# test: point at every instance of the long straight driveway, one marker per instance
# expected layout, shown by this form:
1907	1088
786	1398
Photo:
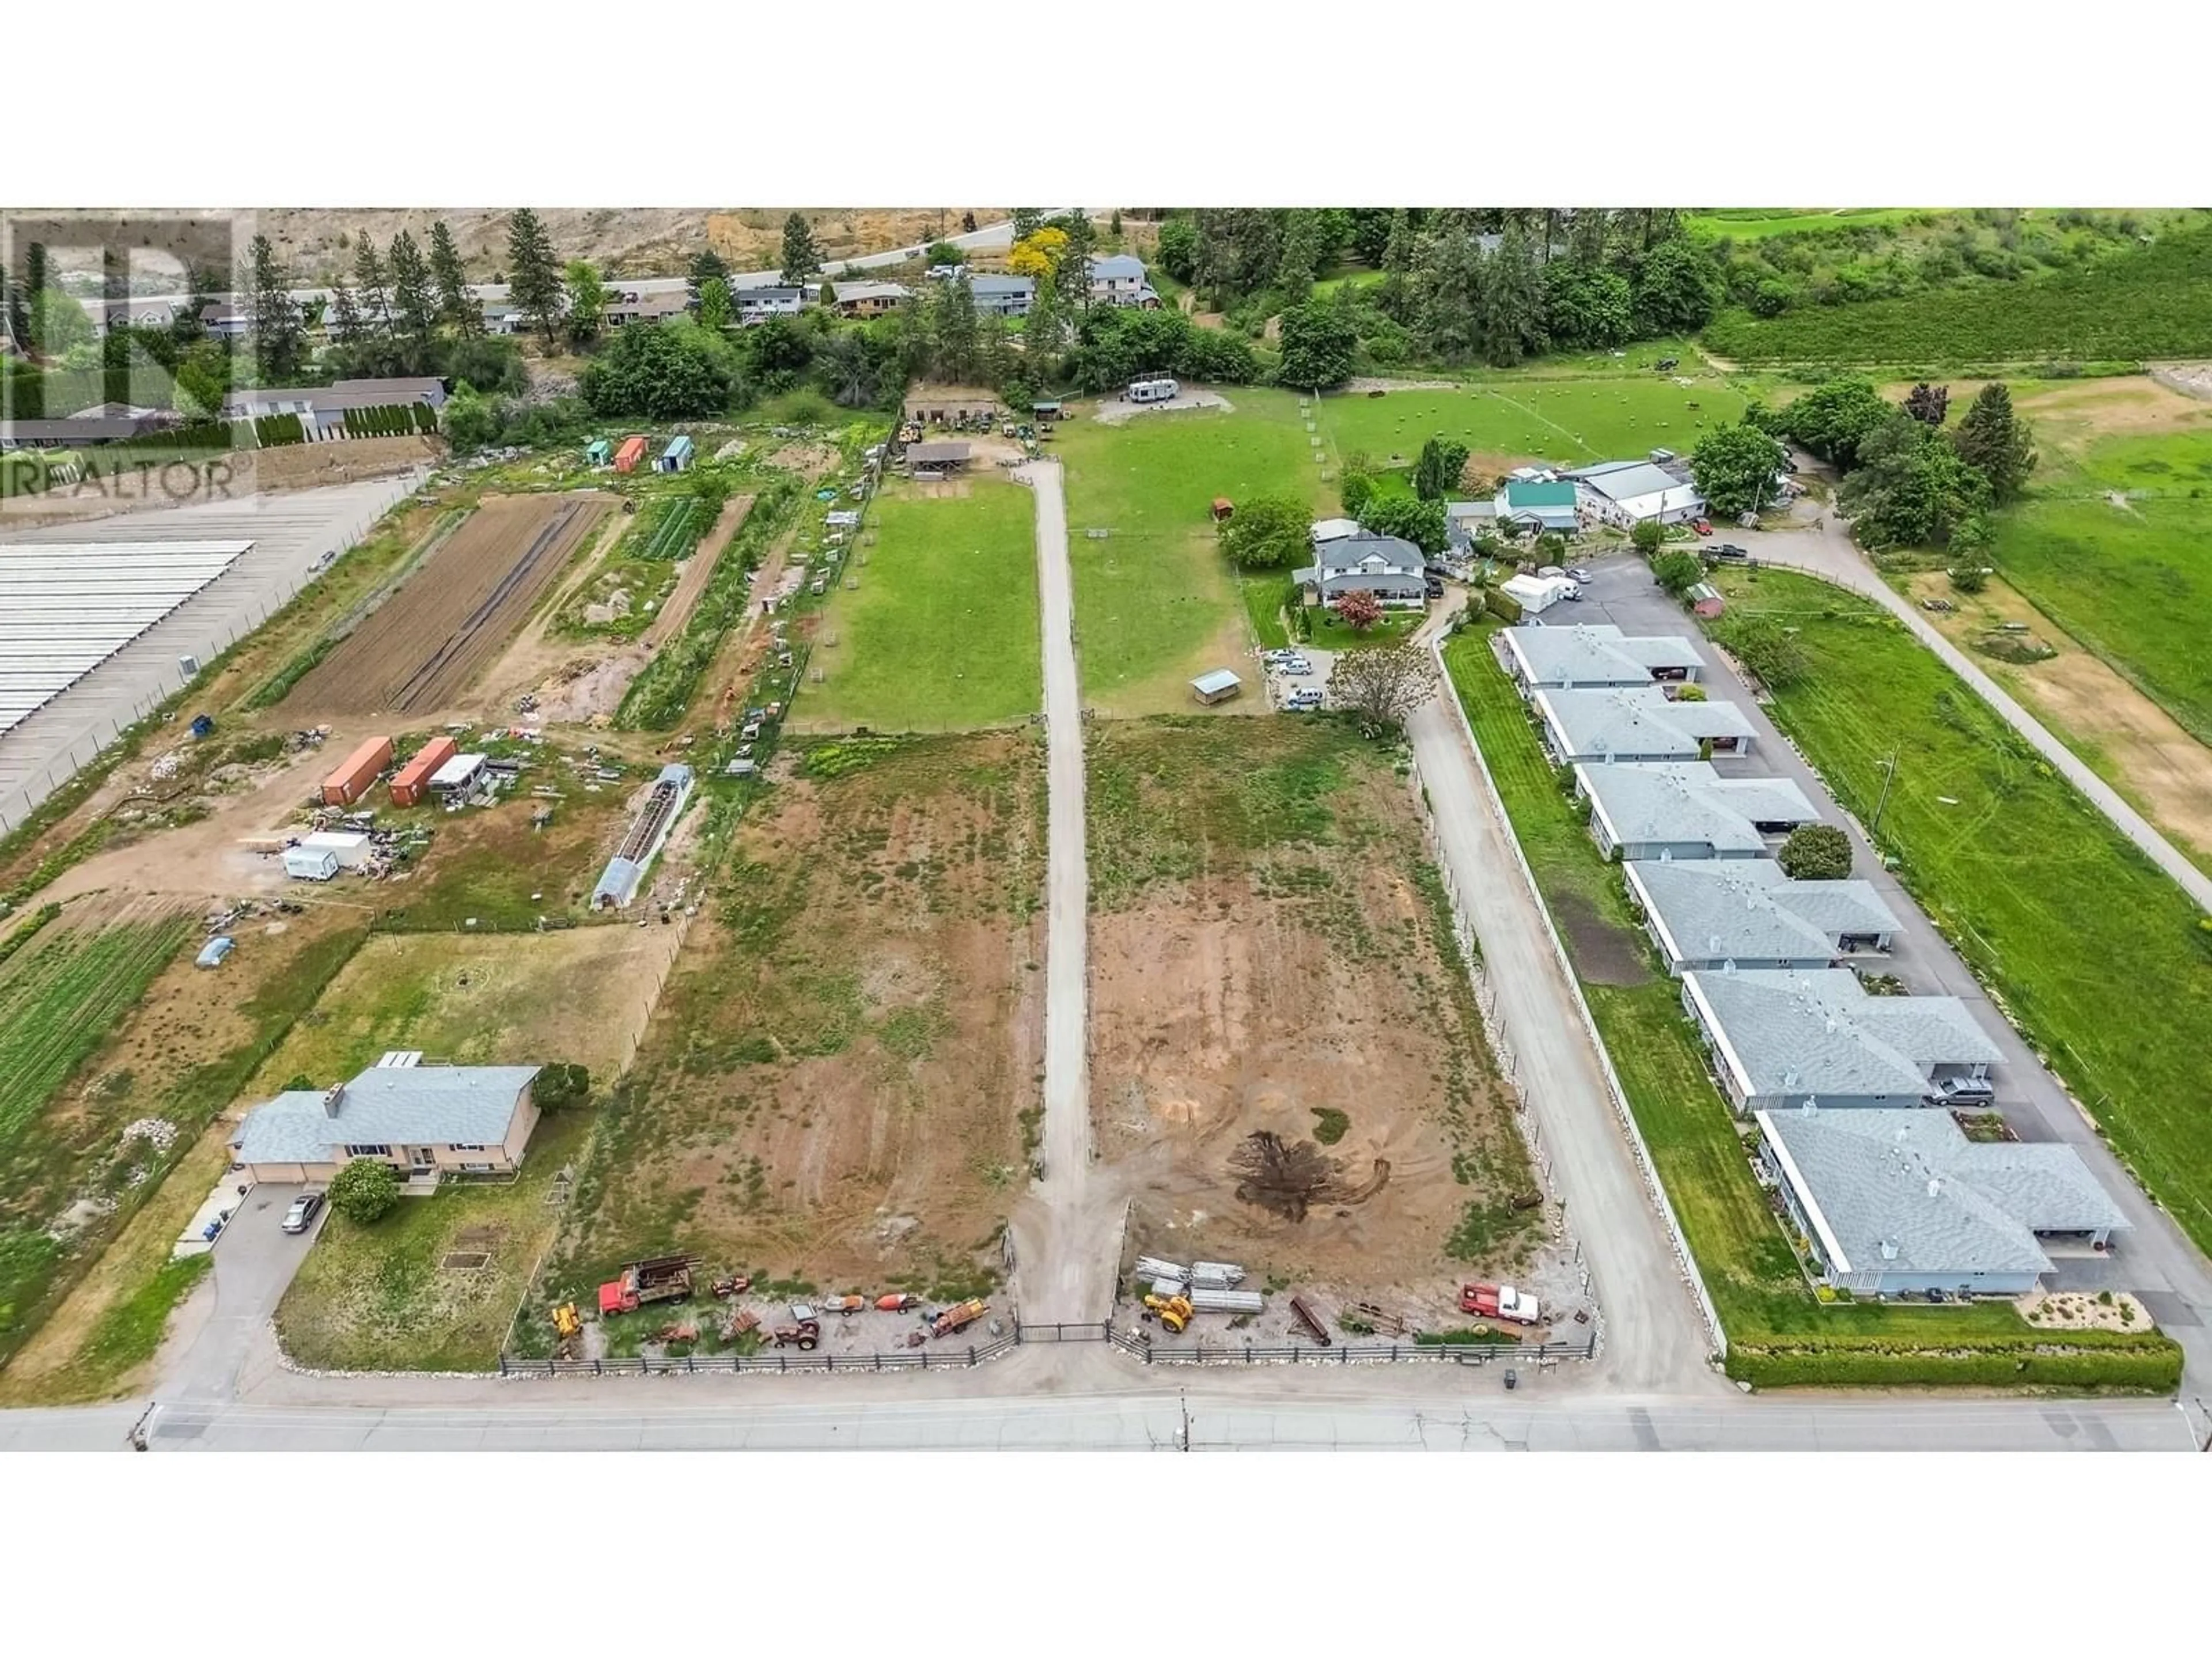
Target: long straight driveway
1654	1340
1063	1254
1827	551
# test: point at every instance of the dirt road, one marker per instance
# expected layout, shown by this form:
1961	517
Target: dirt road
1061	1235
1654	1340
1826	550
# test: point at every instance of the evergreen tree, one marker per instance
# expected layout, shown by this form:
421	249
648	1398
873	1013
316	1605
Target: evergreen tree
801	258
1436	474
279	336
957	331
1301	261
1026	220
345	314
1072	275
1446	294
457	307
413	308
1114	225
1588	235
1996	442
1512	304
18	315
534	274
708	266
1045	327
375	297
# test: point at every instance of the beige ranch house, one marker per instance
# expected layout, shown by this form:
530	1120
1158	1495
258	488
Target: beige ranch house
424	1120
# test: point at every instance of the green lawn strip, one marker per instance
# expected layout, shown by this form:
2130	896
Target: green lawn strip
380	1298
1266	595
2095	954
1323	629
1155	603
130	1332
1571	419
1756	224
1778	1332
943	630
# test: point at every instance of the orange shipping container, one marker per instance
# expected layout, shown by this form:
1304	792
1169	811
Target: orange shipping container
350	781
414	778
631	452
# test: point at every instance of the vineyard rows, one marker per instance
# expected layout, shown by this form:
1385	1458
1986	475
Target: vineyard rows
59	996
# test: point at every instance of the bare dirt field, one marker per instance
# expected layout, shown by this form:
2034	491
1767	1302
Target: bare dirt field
2142	750
423	646
305	467
1287	1068
834	1090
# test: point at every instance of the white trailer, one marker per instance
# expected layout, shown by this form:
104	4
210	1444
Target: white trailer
1158	390
1536	594
350	848
310	863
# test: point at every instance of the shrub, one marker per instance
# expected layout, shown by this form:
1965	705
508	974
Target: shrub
559	1084
365	1190
1647	535
1816	852
1330	1125
1502	605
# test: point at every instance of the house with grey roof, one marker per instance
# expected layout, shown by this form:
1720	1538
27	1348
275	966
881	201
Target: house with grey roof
424	1120
1388	567
1464	521
858	299
1893	1203
1597	655
1626	492
1781	1039
1628	723
323	408
1710	914
1685	809
1119	279
1003	296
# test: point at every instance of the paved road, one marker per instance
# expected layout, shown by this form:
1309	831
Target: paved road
1654	1340
1065	1261
1828	551
2156	1261
218	1346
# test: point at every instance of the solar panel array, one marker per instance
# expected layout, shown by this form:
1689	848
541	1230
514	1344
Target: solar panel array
66	607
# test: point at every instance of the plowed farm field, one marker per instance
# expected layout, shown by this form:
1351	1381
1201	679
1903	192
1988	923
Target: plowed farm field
419	650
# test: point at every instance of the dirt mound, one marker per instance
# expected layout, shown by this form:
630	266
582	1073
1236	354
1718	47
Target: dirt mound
1290	1178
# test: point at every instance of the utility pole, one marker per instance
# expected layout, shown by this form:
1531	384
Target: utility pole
1889	776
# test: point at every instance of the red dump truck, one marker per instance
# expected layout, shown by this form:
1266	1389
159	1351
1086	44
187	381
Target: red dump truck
1499	1302
958	1317
663	1278
351	781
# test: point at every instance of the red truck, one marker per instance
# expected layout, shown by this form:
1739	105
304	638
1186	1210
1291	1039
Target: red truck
1499	1302
664	1279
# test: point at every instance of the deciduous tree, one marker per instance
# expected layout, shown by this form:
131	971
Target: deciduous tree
1320	345
716	309
1735	468
1831	418
1677	288
1360	608
365	1191
585	298
1912	488
1927	404
1383	683
1678	572
1273	533
1178	249
1424	524
1647	535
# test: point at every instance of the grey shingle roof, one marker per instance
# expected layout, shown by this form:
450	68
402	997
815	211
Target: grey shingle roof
392	1106
1904	1191
1689	801
1818	1033
1597	654
1635	722
1621	483
1115	267
1748	909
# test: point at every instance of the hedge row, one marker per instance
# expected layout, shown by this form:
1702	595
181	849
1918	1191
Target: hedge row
392	421
2149	1364
274	431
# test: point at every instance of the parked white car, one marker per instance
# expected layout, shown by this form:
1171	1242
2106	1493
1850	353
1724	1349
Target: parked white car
1297	666
1304	698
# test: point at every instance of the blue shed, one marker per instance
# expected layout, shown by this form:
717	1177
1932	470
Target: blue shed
677	457
216	949
600	452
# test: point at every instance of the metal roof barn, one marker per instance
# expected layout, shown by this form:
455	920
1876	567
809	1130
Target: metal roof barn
65	608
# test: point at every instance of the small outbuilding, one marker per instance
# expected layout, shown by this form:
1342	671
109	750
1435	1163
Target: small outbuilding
631	452
599	452
947	455
310	863
1219	686
677	457
1706	601
350	847
1223	509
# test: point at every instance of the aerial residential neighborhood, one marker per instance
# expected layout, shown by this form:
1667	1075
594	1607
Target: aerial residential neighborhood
1017	801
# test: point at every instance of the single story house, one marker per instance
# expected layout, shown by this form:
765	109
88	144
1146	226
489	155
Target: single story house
78	431
1627	493
868	299
1465	520
1632	723
323	408
1385	566
757	305
1596	654
1890	1203
1683	809
1539	504
1710	915
1781	1039
421	1120
1119	279
1002	296
627	305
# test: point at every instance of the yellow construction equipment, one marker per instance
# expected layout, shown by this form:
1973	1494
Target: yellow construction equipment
565	1320
1175	1311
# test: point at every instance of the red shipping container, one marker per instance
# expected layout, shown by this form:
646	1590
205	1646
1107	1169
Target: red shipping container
351	781
631	452
413	780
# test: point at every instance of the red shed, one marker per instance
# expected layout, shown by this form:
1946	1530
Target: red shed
1223	507
414	778
351	781
631	452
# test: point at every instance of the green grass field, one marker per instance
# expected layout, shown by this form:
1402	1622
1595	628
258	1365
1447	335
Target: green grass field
943	631
1756	224
2098	957
1778	1332
1568	420
2133	583
1155	603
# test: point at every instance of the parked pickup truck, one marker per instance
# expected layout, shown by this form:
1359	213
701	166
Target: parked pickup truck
1500	1301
